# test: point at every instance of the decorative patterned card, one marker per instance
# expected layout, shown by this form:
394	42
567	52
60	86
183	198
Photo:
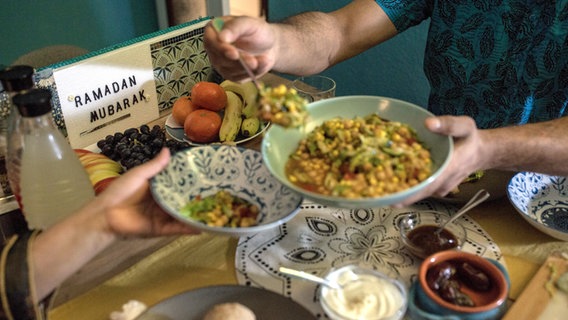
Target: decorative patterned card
126	85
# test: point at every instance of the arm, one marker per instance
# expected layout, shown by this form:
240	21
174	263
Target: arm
304	44
538	147
125	208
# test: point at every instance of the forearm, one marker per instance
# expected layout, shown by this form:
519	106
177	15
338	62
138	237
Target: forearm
311	42
61	250
300	49
539	147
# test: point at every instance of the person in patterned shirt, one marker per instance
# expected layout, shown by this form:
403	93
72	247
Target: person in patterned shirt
498	71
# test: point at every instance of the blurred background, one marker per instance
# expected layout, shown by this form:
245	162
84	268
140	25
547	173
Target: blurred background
66	28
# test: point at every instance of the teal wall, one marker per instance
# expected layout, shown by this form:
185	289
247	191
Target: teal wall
27	25
392	69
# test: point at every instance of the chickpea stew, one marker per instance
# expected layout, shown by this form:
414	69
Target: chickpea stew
282	106
363	157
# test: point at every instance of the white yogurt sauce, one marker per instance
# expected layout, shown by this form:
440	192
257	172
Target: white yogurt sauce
363	297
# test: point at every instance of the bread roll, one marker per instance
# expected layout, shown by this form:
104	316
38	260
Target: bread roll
229	311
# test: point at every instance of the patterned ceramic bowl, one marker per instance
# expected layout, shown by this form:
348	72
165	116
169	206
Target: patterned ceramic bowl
542	200
208	169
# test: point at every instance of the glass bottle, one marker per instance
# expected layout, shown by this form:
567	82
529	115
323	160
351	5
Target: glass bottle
14	79
53	182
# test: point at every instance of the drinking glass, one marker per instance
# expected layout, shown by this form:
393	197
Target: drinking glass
314	88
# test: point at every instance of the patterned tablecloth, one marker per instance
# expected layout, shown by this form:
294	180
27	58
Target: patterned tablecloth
320	238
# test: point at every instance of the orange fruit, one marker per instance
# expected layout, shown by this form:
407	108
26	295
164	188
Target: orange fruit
209	95
202	126
182	108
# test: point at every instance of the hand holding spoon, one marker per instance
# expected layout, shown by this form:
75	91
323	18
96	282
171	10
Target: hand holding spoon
279	105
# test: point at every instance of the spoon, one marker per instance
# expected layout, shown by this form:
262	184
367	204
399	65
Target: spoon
310	277
478	198
218	24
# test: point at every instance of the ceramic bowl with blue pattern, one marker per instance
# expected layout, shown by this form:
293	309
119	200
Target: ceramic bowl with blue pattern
205	170
542	200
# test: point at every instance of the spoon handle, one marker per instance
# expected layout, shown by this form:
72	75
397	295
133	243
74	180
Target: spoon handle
308	276
479	197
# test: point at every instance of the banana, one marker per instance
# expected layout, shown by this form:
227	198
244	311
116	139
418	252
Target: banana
248	92
250	126
232	118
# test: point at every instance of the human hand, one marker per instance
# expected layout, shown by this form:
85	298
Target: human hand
466	158
129	208
251	38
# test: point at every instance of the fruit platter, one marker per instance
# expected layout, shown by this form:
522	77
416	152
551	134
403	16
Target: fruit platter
225	113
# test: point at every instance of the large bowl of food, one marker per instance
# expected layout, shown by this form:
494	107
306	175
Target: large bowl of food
357	152
225	190
542	200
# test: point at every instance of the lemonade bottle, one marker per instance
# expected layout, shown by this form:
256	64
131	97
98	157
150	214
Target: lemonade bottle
53	182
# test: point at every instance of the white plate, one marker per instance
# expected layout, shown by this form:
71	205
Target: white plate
176	132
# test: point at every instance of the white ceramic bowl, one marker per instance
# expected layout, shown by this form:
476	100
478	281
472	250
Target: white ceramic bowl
207	169
365	294
279	143
542	200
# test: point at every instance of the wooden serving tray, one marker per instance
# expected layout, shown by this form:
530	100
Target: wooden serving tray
535	298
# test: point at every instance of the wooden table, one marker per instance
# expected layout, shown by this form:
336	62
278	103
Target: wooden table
150	270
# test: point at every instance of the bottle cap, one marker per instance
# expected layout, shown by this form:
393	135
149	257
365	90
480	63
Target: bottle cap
17	78
33	102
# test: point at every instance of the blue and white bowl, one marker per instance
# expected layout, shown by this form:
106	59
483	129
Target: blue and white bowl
542	200
207	169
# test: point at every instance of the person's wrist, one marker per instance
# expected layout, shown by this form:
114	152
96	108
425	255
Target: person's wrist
96	220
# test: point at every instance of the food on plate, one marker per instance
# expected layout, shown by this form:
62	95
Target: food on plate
473	177
101	169
429	241
562	282
221	209
208	95
358	158
282	106
250	126
248	92
232	118
182	108
135	146
229	311
202	125
449	278
239	115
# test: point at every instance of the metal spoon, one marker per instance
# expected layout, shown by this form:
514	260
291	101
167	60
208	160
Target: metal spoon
309	277
478	198
218	24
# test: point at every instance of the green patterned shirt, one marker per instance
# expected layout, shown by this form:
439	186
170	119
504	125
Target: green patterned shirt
499	61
